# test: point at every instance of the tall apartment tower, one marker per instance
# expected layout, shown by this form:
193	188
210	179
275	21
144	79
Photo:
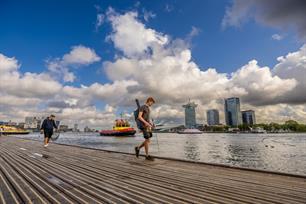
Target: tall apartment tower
212	117
190	114
232	112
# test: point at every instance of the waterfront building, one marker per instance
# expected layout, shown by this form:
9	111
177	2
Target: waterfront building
21	125
75	128
87	129
63	128
232	111
212	117
32	123
190	115
248	117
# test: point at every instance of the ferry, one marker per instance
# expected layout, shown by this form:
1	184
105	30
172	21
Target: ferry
11	130
121	128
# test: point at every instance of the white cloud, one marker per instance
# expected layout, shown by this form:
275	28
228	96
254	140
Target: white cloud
78	56
8	64
293	66
13	83
131	36
11	100
277	37
260	85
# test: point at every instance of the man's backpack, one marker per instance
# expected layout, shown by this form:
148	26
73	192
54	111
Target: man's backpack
136	113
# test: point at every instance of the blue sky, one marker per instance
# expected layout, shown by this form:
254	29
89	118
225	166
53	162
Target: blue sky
57	46
34	31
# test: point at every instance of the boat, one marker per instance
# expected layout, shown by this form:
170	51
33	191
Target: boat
11	130
258	130
121	128
190	131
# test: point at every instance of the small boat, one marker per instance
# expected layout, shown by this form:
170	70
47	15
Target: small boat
10	130
121	128
190	131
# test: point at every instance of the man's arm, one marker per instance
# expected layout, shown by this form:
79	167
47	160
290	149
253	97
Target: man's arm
143	120
54	124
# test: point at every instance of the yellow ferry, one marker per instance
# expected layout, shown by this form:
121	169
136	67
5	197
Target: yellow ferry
11	130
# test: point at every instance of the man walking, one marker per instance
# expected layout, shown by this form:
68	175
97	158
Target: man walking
146	127
47	128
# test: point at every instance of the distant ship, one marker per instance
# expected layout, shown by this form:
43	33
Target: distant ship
190	131
121	128
10	130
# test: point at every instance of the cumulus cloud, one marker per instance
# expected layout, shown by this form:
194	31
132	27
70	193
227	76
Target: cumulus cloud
14	83
8	64
150	63
260	86
130	35
293	66
282	14
78	56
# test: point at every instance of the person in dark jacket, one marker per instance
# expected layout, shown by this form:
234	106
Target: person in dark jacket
47	128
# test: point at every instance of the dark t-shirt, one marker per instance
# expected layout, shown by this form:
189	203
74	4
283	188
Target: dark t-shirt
145	112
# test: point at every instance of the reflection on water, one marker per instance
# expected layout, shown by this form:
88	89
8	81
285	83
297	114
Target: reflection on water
275	152
191	149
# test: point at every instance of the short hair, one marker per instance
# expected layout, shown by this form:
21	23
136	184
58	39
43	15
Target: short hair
53	116
150	99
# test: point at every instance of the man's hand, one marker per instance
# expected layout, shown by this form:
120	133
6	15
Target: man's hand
149	125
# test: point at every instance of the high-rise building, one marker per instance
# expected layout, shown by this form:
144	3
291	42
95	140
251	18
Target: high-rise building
232	112
190	115
212	117
248	117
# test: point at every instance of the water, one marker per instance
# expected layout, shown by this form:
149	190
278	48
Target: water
274	152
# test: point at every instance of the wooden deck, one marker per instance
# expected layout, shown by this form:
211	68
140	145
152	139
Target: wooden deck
30	173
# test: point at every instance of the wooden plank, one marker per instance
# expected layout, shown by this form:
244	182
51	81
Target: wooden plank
79	175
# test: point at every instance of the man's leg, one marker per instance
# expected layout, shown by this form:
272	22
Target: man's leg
46	140
142	145
145	135
146	146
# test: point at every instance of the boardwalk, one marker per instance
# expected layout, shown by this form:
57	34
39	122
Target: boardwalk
30	173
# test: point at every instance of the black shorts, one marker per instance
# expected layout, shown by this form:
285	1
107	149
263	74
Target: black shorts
146	134
48	134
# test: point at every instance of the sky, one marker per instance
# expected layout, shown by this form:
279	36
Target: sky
86	61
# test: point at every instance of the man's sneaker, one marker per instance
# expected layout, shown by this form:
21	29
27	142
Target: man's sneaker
46	145
150	158
137	151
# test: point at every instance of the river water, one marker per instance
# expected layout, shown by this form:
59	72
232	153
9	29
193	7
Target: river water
273	152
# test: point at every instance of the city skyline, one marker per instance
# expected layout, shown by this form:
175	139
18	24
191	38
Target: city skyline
89	68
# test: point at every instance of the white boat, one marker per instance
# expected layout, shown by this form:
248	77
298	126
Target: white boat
258	130
190	131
